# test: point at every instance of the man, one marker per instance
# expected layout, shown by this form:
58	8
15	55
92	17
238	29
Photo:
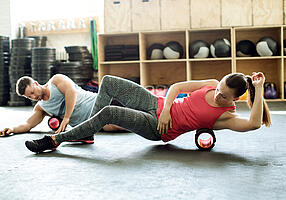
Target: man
60	96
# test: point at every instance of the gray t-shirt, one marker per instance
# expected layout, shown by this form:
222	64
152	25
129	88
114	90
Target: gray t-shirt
83	107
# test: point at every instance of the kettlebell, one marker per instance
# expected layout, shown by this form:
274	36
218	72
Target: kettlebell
205	139
270	91
54	122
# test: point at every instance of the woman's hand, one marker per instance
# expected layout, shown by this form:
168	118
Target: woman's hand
63	125
6	132
258	79
164	122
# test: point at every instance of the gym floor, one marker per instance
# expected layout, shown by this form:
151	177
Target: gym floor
125	166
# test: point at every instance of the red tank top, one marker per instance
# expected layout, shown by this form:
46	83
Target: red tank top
191	113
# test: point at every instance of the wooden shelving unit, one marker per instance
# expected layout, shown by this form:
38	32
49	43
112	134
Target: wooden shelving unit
164	71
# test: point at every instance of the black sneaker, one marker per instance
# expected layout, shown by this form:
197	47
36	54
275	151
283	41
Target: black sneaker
86	140
38	146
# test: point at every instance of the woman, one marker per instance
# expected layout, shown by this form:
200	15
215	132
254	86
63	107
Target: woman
210	105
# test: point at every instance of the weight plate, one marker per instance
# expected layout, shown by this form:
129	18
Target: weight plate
76	49
23	42
37	72
41	76
76	63
20	52
43	50
40	37
43	60
4	37
18	103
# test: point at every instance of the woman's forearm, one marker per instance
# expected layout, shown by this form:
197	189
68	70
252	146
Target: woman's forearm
171	96
257	108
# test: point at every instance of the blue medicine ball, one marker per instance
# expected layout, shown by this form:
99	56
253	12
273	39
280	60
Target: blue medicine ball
199	49
267	46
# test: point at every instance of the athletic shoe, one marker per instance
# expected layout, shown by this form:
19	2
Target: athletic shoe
38	146
86	140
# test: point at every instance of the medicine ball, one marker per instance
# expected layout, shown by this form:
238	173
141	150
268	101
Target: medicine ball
155	51
173	50
221	48
245	48
199	49
267	46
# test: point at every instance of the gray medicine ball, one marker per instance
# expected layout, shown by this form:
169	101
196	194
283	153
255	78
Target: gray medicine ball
173	50
155	51
245	48
220	48
199	49
267	46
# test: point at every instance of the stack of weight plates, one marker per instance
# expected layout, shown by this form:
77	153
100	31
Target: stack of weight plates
20	65
78	53
4	70
79	68
121	52
78	71
40	41
43	62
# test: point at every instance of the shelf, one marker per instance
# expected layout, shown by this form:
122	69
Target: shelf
164	61
259	58
274	100
209	35
272	69
149	38
162	73
119	62
123	70
115	39
267	100
254	34
165	71
209	69
208	59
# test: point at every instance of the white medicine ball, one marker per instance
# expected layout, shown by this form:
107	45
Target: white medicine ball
199	49
266	46
173	50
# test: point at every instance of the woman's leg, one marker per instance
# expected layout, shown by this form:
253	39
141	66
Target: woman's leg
128	93
138	115
140	122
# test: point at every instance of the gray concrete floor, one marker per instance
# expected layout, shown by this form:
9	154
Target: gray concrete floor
125	166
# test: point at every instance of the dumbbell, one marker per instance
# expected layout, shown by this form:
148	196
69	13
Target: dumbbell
205	139
54	122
